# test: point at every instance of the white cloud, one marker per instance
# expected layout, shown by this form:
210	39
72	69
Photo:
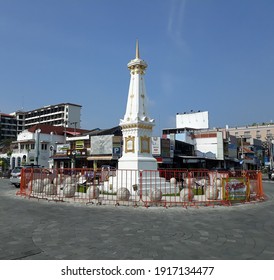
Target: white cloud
175	22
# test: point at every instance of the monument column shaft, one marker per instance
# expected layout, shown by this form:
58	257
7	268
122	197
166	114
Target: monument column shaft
136	124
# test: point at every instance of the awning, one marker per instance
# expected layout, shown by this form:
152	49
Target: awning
61	158
194	159
73	133
99	158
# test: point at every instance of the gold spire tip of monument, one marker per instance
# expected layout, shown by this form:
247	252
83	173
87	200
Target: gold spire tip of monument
137	49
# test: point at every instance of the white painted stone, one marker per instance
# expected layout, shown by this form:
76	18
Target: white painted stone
69	190
50	189
70	180
156	195
93	192
123	194
189	182
57	181
186	194
173	181
37	186
46	181
211	192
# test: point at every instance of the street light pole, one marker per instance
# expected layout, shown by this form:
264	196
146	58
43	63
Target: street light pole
269	140
38	131
242	151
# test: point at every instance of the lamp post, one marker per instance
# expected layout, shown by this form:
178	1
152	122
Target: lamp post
242	152
269	139
38	131
73	160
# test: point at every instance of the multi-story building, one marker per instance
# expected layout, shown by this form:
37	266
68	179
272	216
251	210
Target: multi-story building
254	134
63	114
8	127
261	132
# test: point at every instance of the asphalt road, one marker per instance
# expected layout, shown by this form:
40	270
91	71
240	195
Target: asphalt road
40	230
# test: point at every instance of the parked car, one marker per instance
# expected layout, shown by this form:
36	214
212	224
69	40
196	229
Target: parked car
31	172
271	174
15	176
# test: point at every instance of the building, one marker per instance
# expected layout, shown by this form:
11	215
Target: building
8	127
215	148
38	144
63	114
259	137
261	132
91	149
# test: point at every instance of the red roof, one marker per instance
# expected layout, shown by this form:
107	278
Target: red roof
58	130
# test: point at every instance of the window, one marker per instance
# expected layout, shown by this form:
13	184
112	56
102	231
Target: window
44	146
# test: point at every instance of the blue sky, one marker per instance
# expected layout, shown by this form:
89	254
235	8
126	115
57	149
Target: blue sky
212	55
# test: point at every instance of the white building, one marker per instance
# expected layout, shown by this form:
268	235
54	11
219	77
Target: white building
36	145
209	144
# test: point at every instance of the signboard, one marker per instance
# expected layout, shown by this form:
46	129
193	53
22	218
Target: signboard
62	149
235	188
79	144
156	146
77	153
116	152
101	145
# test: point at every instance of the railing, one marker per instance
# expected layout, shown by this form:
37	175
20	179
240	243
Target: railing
163	187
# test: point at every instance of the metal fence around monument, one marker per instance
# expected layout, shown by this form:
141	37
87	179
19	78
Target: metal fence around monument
163	187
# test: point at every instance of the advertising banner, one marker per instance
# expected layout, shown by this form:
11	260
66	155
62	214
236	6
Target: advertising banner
101	145
235	188
80	144
62	149
156	146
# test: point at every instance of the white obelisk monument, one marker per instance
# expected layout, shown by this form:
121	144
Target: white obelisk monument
137	125
137	166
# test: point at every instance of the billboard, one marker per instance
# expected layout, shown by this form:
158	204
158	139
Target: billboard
196	120
61	149
101	145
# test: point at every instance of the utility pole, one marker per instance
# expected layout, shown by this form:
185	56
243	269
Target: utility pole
38	131
242	143
75	123
269	140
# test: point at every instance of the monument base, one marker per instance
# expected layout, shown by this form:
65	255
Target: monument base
142	163
140	182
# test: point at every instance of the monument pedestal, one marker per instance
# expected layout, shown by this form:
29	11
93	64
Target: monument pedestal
140	182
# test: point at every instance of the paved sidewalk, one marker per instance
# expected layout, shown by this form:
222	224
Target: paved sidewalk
32	229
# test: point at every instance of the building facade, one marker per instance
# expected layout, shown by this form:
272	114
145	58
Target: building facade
63	114
8	127
261	132
38	144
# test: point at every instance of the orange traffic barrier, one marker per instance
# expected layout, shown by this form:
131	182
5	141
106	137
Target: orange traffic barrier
163	187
